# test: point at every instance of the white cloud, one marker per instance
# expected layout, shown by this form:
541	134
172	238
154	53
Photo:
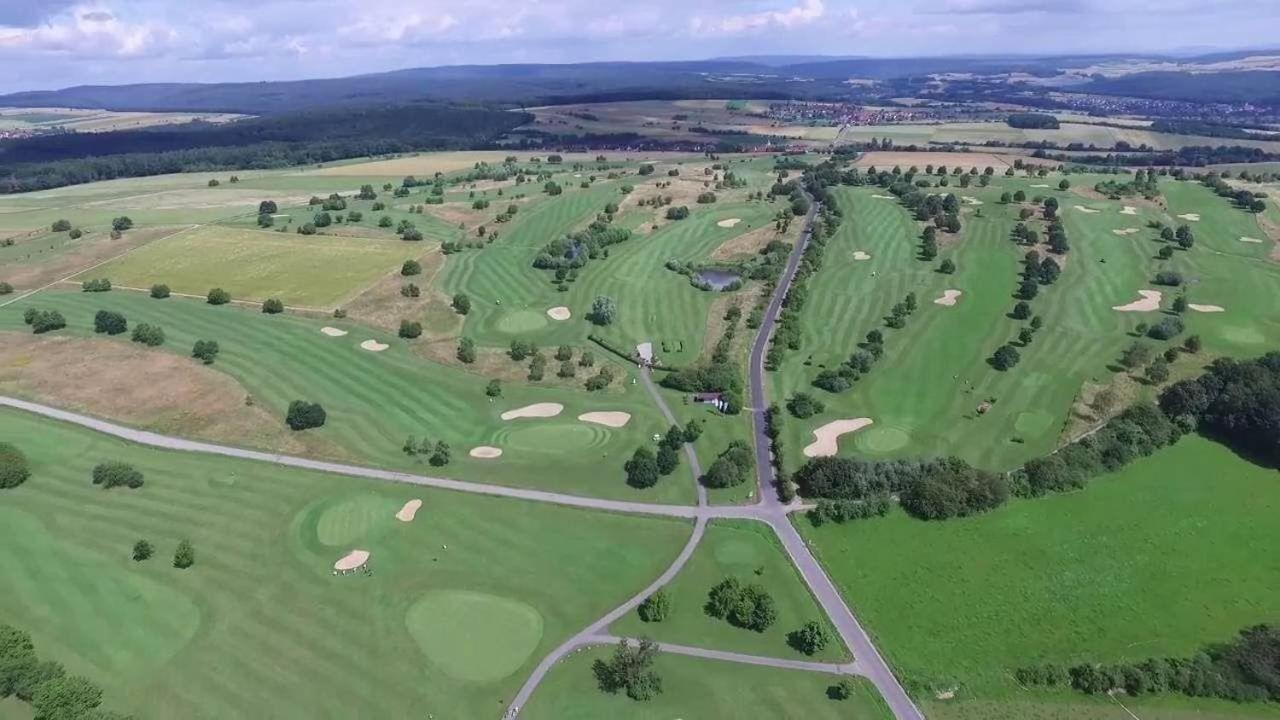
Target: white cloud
90	31
805	13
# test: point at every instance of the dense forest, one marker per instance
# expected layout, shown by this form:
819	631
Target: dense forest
298	138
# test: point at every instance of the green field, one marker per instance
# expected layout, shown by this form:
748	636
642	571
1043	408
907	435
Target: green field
260	626
1159	559
376	400
751	553
977	133
695	688
305	270
922	395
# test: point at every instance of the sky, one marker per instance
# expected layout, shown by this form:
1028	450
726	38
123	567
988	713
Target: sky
47	44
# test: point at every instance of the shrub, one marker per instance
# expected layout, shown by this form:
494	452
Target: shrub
677	213
466	350
14	469
185	556
109	322
745	606
116	474
411	267
706	198
668	459
803	405
303	415
1168	277
96	285
642	469
159	291
218	296
732	467
205	351
1170	326
5	288
60	225
142	550
272	306
148	334
121	224
810	639
630	669
656	607
410	329
43	321
493	389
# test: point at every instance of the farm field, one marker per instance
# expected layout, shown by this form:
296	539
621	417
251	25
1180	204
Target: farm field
696	688
375	400
306	270
1085	133
459	605
751	553
674	120
1154	560
1082	334
80	120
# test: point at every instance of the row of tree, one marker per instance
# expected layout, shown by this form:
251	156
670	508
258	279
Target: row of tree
52	693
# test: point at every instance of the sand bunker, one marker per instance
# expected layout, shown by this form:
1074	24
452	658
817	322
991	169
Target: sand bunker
352	561
611	419
373	346
825	444
1250	240
1193	217
409	510
1150	302
970	200
536	410
729	223
1084	209
1207	308
949	298
860	255
333	331
1129	210
485	452
1126	231
884	197
1040	186
559	313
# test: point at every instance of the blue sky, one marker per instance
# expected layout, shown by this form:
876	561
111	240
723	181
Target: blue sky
56	43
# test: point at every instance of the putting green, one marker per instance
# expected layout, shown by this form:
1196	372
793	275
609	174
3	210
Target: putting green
552	436
881	438
354	517
521	321
474	636
1033	422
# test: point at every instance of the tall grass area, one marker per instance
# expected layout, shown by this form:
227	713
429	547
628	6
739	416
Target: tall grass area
1158	559
696	688
259	626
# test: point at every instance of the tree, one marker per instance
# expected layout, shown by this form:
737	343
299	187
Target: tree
810	639
1064	185
117	474
441	455
630	669
303	415
75	234
121	223
656	607
218	296
1025	335
109	322
266	221
159	291
268	207
411	267
844	689
43	321
185	556
1168	277
642	469
493	389
142	550
804	405
272	306
60	226
14	468
461	303
692	431
1169	327
1180	304
5	288
947	267
1022	310
205	351
96	285
67	697
410	329
466	350
1192	344
603	310
1005	357
1136	355
1158	371
148	334
668	459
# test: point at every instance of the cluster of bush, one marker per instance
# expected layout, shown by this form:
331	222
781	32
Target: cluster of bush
1143	183
14	468
45	684
747	606
646	467
787	334
1243	670
941	210
117	474
841	378
96	285
575	250
43	321
731	467
438	454
1252	200
303	415
927	489
773	430
1236	401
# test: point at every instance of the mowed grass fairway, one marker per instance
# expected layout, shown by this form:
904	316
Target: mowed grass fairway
923	394
1157	560
260	627
375	401
751	553
697	688
306	270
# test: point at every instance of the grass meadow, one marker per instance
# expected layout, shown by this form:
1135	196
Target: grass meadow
697	688
1158	559
460	605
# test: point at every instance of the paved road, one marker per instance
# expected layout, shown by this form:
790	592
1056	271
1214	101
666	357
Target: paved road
851	668
647	376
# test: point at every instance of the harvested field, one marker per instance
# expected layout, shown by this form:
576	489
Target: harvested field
885	159
32	264
383	305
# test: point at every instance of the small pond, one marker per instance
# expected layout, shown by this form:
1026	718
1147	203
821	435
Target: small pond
718	279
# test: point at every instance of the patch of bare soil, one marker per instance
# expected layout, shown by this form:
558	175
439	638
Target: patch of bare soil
383	305
144	388
461	214
745	299
90	250
746	244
